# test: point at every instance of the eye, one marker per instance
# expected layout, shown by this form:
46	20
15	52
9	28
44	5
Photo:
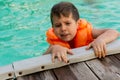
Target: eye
57	25
68	23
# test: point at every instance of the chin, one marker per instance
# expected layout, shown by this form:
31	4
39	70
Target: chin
67	40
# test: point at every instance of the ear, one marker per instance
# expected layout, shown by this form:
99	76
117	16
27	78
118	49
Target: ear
78	22
52	28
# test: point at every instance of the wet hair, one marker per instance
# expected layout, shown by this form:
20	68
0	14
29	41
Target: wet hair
64	9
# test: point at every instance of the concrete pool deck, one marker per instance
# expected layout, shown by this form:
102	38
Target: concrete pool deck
41	63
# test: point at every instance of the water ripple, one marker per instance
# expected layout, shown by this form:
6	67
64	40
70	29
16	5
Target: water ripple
23	24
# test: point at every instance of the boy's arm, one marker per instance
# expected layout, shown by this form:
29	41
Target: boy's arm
107	35
48	50
101	38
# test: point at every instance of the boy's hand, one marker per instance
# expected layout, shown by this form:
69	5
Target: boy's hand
60	52
99	47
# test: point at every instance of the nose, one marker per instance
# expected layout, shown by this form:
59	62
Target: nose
63	28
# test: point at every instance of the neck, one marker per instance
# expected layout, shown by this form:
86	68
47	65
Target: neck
71	43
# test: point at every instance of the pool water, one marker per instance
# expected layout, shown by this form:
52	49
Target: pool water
23	24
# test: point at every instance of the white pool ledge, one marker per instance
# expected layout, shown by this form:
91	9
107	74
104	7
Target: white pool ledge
6	72
44	62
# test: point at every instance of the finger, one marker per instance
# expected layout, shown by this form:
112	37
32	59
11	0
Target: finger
69	51
100	51
59	57
64	57
95	51
104	49
103	55
53	57
88	47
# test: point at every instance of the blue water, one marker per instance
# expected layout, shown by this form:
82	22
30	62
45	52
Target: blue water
23	24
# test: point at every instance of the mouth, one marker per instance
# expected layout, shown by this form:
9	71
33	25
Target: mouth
64	35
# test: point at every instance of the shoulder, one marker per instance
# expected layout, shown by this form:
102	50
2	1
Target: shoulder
83	23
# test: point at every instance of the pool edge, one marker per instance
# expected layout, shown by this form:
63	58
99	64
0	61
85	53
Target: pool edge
33	65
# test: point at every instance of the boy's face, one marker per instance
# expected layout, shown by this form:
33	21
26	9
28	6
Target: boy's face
65	27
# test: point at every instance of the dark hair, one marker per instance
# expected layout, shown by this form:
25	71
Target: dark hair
65	9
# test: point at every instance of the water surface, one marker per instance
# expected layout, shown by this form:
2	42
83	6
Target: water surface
23	24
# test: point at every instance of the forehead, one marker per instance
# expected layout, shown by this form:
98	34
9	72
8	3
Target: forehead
62	18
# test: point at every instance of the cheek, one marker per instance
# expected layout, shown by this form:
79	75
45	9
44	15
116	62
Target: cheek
56	31
74	31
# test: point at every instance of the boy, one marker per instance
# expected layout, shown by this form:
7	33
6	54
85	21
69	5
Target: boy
68	31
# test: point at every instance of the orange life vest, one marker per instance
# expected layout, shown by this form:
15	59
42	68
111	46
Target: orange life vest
83	36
